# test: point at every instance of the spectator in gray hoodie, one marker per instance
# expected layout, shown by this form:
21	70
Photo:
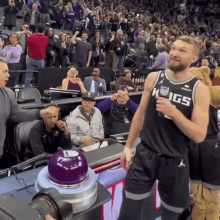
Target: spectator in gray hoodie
85	122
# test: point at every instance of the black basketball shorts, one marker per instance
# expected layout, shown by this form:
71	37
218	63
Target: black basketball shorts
171	172
204	160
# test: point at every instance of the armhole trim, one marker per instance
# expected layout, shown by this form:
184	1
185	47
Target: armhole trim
194	91
158	76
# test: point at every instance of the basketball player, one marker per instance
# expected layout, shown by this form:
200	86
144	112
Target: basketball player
204	161
167	126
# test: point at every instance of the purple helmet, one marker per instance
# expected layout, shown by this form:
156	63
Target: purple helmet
68	167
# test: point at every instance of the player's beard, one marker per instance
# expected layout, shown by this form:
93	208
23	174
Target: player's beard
177	68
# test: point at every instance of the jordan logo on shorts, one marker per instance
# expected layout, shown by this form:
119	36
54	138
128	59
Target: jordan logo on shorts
216	146
182	164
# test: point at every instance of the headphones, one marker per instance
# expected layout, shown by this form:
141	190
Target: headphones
126	71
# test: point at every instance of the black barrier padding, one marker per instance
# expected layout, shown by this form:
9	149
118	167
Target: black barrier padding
53	77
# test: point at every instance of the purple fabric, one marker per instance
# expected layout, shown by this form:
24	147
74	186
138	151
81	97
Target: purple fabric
73	86
31	2
136	33
103	106
11	54
78	10
161	61
72	16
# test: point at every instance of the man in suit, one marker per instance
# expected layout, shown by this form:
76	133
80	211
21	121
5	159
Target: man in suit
10	15
94	83
32	17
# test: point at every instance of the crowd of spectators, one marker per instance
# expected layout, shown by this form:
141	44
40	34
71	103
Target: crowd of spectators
106	33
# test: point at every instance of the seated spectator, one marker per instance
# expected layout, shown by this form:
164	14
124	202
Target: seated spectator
85	122
73	82
162	59
63	51
118	112
125	80
12	52
94	83
48	134
52	47
10	15
32	17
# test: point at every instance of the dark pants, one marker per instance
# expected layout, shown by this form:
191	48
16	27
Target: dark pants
32	28
94	61
23	61
60	61
110	59
49	61
79	64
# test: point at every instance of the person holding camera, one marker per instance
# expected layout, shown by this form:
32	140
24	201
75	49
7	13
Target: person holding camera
10	15
118	112
63	50
52	47
23	36
121	52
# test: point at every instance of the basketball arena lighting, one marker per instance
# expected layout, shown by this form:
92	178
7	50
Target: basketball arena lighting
68	172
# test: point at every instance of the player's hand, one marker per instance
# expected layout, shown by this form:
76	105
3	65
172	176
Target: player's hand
126	158
165	106
48	217
87	141
114	97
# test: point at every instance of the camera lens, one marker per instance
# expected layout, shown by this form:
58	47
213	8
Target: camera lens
49	202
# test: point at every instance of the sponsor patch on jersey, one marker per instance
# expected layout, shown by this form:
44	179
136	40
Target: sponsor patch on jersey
164	90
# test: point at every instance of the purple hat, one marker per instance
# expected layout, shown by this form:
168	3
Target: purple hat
68	167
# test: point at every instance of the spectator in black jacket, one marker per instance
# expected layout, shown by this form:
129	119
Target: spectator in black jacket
151	47
121	51
63	51
97	43
48	135
10	15
32	17
52	48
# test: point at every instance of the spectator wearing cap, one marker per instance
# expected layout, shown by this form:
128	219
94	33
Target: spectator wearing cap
32	17
10	15
94	83
162	59
97	43
85	122
125	80
118	112
37	45
83	50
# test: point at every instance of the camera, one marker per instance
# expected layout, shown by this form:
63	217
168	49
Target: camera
45	202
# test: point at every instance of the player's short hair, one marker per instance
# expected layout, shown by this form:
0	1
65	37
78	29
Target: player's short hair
191	41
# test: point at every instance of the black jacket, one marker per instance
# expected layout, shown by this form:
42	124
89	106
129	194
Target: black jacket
10	15
41	141
27	17
94	44
151	49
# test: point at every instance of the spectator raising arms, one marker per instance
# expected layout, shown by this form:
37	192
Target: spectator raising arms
72	81
12	52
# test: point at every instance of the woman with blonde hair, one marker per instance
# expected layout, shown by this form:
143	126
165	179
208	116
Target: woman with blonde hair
72	81
205	159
